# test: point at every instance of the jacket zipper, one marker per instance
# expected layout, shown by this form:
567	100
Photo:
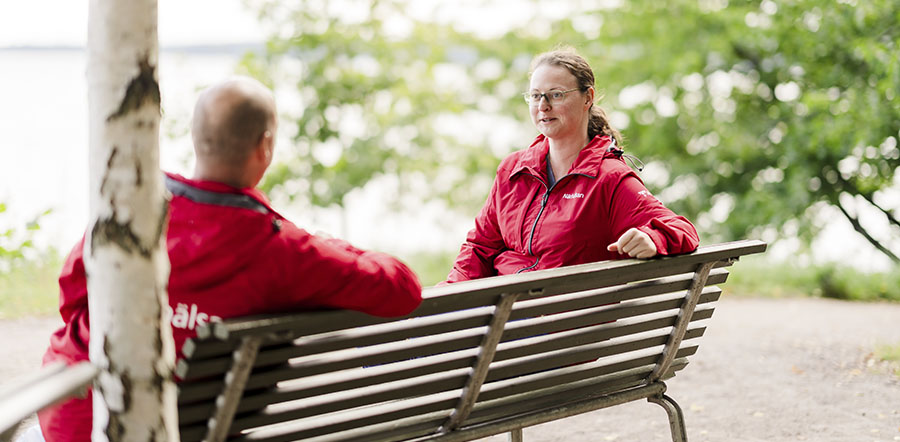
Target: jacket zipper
533	227
541	212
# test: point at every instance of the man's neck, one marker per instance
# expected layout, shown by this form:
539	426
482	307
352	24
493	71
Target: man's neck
221	175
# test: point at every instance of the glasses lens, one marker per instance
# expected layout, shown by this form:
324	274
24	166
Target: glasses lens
556	96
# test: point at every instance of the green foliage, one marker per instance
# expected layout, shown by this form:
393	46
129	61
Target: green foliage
432	268
757	276
846	283
754	116
369	105
17	242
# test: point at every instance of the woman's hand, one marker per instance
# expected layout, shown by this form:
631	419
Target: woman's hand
635	244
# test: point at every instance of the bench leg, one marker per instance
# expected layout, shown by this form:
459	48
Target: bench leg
676	416
515	435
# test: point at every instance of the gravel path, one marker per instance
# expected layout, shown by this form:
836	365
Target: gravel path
767	370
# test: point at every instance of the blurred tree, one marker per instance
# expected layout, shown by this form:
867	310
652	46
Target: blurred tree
16	242
379	95
764	113
754	116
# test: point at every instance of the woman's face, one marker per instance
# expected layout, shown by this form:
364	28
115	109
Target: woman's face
567	117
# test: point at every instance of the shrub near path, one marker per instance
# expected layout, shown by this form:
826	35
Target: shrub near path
798	369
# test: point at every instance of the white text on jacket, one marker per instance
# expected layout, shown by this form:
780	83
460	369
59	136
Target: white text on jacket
188	317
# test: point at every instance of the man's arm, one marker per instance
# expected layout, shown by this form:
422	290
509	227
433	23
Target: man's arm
318	272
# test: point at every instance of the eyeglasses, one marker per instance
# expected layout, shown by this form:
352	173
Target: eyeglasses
553	97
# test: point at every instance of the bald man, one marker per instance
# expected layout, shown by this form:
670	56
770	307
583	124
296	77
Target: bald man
231	254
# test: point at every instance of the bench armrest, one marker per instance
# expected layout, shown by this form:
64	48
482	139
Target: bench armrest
49	385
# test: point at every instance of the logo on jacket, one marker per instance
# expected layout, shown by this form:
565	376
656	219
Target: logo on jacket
570	196
646	193
188	317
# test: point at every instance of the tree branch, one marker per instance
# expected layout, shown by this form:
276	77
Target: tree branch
869	196
862	231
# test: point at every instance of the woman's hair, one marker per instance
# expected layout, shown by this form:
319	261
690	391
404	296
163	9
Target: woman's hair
568	58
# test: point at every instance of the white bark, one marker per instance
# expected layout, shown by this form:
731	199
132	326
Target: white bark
125	254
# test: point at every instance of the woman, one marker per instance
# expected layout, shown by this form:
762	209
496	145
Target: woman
569	198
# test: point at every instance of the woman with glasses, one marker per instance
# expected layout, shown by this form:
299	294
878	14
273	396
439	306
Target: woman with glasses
569	198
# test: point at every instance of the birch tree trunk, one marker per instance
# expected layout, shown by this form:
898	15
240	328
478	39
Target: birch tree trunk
125	254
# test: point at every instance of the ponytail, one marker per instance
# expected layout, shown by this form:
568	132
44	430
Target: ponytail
598	124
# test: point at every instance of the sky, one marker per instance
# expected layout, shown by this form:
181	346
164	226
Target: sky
185	22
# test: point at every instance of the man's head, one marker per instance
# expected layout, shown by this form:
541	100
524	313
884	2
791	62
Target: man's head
234	132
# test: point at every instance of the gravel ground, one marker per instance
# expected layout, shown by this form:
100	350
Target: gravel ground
767	370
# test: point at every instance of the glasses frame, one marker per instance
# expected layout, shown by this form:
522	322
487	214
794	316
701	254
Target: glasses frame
544	96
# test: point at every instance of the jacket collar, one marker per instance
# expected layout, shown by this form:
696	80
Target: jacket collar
217	187
534	159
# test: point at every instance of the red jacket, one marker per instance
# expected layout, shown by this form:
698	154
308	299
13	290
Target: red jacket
232	255
526	224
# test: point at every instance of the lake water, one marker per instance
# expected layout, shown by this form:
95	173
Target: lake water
44	151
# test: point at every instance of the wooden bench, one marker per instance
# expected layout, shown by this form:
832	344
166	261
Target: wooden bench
41	389
475	359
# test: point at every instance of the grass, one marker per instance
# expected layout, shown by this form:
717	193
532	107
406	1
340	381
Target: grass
889	354
30	288
755	276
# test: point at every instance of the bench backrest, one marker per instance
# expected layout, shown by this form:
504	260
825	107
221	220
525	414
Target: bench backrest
473	354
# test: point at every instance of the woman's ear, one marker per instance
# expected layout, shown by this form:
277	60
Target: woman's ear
589	96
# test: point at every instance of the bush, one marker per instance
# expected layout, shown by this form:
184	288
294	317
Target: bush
760	277
853	285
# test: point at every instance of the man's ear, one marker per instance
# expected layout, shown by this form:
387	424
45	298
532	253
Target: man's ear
259	148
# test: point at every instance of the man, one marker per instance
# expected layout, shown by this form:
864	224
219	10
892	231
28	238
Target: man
231	254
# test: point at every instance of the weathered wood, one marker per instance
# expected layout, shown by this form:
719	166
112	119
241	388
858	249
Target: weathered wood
235	380
486	351
684	317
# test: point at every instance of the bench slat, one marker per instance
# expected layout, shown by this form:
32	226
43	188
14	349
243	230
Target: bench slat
377	355
468	318
372	389
580	337
344	380
470	294
444	401
532	401
200	369
47	386
575	373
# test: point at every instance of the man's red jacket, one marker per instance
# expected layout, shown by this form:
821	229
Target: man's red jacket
232	255
526	224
